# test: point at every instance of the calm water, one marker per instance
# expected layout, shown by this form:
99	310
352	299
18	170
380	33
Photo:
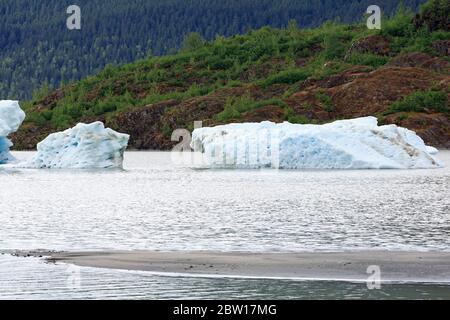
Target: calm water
34	279
156	205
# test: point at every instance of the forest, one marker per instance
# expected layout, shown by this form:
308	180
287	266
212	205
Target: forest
38	51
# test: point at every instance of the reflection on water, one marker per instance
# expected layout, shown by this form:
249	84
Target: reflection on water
155	206
30	278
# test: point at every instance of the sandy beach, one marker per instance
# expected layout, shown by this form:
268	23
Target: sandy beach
394	266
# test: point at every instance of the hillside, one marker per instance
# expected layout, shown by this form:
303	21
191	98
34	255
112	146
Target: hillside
400	74
37	48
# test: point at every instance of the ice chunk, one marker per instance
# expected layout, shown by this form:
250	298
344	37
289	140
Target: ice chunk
5	155
11	117
86	146
346	144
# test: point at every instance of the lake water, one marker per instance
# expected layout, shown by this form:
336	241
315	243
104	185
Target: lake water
156	205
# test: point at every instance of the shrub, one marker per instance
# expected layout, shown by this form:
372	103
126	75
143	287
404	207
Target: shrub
166	130
197	90
333	47
325	100
434	15
243	103
36	117
234	107
114	103
290	116
192	41
402	117
155	97
47	114
229	111
269	102
41	93
219	63
290	76
399	25
61	121
420	101
320	68
234	83
74	111
108	72
368	59
104	107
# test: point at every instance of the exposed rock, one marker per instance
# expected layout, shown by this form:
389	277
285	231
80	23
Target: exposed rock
355	92
375	44
374	92
301	62
28	136
434	17
363	94
432	128
49	102
263	70
337	79
316	48
421	60
144	125
274	113
442	46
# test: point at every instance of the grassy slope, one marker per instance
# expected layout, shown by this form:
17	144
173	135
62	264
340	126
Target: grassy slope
232	79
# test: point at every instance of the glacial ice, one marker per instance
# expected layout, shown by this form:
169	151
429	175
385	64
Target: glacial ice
85	146
346	144
11	117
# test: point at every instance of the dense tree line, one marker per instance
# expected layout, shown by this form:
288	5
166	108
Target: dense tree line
37	48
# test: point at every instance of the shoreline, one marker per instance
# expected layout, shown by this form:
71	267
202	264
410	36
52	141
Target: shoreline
129	149
395	266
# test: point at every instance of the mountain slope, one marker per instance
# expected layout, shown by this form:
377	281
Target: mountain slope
400	74
38	48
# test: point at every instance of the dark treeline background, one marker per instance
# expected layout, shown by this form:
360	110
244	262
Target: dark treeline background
37	48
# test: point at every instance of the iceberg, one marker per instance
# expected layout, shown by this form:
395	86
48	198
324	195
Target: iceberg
85	146
345	144
11	117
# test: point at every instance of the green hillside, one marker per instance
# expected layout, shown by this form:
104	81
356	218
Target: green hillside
400	74
37	47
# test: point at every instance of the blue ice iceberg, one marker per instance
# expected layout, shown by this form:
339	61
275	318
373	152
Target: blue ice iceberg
11	117
86	146
347	144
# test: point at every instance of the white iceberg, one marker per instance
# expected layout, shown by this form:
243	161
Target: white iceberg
347	144
86	146
11	117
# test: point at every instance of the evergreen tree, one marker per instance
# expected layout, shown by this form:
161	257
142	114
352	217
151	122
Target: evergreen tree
36	47
193	41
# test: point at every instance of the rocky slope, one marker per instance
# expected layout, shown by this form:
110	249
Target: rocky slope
299	77
354	93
